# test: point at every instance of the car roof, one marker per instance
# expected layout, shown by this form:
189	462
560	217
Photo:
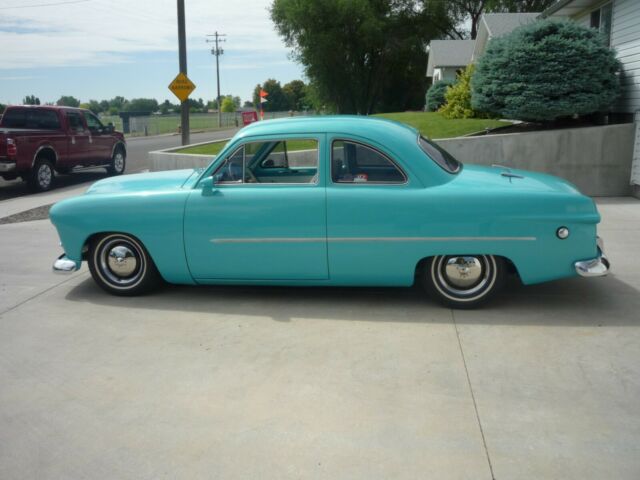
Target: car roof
347	124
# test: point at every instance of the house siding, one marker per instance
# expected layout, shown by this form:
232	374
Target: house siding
625	38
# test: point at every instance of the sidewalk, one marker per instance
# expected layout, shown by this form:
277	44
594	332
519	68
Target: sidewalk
21	204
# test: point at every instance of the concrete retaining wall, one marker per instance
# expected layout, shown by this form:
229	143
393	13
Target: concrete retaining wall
596	159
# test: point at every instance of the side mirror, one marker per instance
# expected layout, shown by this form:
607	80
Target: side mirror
209	185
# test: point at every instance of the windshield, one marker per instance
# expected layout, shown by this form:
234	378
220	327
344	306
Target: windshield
439	155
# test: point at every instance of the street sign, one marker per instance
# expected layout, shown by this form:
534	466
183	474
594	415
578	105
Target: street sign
182	87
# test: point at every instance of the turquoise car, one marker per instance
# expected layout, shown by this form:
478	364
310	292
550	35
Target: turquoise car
332	201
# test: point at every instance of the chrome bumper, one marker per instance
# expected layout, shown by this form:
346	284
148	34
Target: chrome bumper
63	265
7	166
596	267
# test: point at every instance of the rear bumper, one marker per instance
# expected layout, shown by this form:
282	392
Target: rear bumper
595	267
64	265
7	166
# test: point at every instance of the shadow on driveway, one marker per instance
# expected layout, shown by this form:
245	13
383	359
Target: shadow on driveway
574	302
18	188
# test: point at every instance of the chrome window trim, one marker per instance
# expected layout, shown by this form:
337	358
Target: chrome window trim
460	164
364	184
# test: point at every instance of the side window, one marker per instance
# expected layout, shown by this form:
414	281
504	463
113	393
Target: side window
353	162
276	161
43	119
15	118
92	121
75	122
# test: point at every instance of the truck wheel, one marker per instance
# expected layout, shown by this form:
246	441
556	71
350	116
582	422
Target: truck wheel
118	163
41	176
121	265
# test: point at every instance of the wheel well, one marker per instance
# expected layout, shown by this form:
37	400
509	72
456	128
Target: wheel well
93	236
47	153
422	263
120	148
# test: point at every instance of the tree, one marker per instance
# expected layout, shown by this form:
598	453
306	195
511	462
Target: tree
117	104
546	70
247	104
142	105
435	95
294	92
167	107
31	100
363	55
95	106
276	101
68	101
228	104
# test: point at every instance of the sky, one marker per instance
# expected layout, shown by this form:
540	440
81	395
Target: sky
97	49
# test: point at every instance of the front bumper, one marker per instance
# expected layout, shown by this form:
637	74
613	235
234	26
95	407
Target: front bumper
64	266
596	267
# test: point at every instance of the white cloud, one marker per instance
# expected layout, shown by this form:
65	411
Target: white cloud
99	32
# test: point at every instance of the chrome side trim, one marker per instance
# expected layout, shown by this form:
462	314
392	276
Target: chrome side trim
7	166
369	239
119	142
44	147
64	266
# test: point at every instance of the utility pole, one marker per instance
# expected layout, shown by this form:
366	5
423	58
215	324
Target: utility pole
217	51
182	51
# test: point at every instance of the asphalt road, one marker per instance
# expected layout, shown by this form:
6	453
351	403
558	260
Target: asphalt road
138	149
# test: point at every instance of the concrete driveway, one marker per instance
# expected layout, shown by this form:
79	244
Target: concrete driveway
240	383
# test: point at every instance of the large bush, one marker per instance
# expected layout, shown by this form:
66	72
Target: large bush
458	97
546	70
435	94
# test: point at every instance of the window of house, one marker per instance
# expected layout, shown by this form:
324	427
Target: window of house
353	162
273	161
601	21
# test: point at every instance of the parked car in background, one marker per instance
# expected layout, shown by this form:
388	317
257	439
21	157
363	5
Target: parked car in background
335	201
36	141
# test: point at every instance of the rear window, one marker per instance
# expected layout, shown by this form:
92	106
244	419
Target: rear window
31	118
439	155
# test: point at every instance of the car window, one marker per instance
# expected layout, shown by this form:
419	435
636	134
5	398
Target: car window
439	155
75	122
353	162
92	121
273	161
15	118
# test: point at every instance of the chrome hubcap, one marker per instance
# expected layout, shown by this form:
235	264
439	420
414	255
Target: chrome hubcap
463	272
122	261
118	162
44	175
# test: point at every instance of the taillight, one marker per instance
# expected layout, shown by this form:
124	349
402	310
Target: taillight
12	148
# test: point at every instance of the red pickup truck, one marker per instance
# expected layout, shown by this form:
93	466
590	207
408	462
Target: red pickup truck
36	141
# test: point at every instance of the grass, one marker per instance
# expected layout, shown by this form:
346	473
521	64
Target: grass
434	125
430	124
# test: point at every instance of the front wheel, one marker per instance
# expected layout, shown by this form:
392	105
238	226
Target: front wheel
122	266
118	163
464	281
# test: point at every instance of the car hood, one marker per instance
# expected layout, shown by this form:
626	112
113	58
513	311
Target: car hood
475	176
144	182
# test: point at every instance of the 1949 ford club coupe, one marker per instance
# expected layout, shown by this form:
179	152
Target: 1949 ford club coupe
332	201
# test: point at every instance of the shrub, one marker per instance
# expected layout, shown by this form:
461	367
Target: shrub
435	94
546	70
458	97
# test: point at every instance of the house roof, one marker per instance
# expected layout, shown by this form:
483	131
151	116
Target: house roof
568	7
499	24
449	53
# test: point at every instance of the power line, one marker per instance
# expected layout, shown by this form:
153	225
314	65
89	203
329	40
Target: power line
217	51
44	4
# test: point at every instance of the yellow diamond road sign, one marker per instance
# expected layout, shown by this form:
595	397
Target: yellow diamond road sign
182	87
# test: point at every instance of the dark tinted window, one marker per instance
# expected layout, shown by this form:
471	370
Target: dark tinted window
439	155
356	163
92	121
15	118
43	120
75	122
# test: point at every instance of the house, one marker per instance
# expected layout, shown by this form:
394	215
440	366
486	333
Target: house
619	23
448	57
493	25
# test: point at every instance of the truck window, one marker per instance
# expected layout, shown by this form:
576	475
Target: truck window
15	118
43	119
75	122
92	121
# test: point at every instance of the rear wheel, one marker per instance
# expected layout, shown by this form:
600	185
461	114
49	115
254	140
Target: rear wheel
464	281
40	178
122	266
118	163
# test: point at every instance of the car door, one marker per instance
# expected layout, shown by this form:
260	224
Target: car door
240	225
101	145
79	143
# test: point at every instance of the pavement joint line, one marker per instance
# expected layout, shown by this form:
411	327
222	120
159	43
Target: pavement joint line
473	397
42	292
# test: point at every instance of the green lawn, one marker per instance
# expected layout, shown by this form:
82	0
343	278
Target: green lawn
430	124
434	125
